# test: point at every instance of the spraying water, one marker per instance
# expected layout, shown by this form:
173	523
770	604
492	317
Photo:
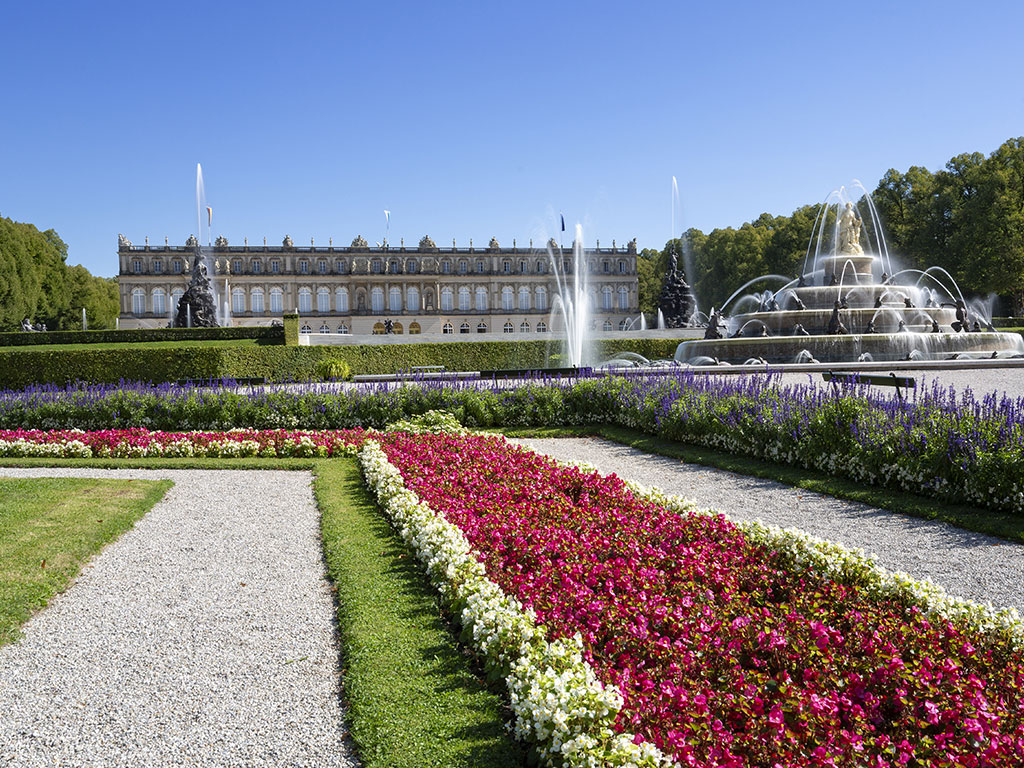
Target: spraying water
572	301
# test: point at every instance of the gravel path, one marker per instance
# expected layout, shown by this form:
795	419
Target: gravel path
971	565
204	636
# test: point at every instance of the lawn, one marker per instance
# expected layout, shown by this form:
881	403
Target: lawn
50	527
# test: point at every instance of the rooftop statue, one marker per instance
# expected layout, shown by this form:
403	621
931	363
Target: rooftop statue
493	245
360	242
221	241
427	243
123	242
287	242
191	242
849	231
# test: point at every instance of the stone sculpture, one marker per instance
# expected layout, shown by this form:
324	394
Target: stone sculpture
123	242
849	231
196	306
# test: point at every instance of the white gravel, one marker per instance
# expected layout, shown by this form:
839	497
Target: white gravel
204	636
972	565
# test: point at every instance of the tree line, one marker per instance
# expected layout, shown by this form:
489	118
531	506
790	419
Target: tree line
37	283
967	218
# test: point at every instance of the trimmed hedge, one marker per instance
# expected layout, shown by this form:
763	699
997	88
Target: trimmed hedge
135	335
21	368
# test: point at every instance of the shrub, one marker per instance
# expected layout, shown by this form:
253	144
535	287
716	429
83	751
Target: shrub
136	335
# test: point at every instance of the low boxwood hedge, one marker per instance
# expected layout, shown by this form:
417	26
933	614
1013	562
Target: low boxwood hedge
135	335
20	368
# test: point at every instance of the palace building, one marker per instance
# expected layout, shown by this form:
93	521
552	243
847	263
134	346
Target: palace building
356	290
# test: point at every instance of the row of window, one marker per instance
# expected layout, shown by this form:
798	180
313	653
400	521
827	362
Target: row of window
449	328
467	300
411	266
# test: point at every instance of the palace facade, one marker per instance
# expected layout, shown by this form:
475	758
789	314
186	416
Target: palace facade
356	290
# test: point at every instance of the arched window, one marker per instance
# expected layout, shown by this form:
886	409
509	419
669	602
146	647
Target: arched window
524	327
159	305
524	299
323	300
257	300
481	299
542	327
395	299
341	299
138	301
276	301
237	300
507	328
464	328
623	324
507	298
396	328
324	328
542	298
606	298
607	325
412	300
464	298
623	297
342	328
414	328
176	295
305	328
377	300
446	299
447	328
481	327
305	300
378	329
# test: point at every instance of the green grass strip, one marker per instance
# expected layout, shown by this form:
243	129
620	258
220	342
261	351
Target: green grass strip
1001	524
49	527
413	700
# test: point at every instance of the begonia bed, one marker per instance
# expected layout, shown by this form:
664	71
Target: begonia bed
724	655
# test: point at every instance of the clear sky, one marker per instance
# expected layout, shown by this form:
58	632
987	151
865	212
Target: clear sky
475	119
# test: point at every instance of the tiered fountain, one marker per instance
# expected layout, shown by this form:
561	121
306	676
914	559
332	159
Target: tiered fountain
851	304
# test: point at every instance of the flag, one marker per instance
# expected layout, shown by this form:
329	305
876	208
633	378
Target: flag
563	221
387	218
209	215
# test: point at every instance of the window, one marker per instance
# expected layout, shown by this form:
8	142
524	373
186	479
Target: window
158	266
376	266
542	298
606	266
276	301
524	299
624	325
305	300
393	267
606	298
411	266
377	300
395	299
304	266
446	267
506	267
481	299
542	327
507	328
176	295
446	299
176	266
321	266
236	266
305	329
159	305
378	329
342	328
237	300
256	265
463	266
341	299
339	266
622	267
522	267
524	327
447	328
323	300
464	299
464	328
507	301
607	325
623	297
324	328
414	328
412	300
138	301
541	267
479	267
396	328
137	266
257	300
275	265
481	327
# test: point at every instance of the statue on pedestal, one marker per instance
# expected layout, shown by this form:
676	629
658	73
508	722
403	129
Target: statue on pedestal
849	231
196	307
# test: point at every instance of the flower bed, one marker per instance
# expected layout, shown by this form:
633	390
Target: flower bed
139	443
729	646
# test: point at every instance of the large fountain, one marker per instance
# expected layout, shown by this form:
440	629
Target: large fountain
850	303
197	308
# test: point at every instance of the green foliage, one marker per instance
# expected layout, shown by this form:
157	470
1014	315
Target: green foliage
332	369
36	283
291	330
136	335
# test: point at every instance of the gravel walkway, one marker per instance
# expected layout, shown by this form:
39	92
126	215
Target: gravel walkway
971	565
204	636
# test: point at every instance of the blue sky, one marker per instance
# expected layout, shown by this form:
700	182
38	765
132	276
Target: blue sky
469	120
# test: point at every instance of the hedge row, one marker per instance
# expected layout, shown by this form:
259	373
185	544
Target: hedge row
134	335
21	368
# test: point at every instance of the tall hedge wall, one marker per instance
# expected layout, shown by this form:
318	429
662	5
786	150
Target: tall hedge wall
20	368
134	335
